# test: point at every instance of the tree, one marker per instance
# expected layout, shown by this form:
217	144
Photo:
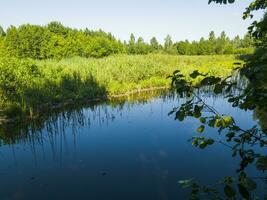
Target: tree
237	41
141	46
168	42
154	45
12	41
182	47
247	41
204	47
2	32
57	28
168	45
212	36
132	45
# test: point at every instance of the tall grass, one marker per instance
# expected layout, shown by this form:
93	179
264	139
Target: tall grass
28	86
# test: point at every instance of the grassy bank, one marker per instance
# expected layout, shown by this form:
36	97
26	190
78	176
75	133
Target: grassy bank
28	86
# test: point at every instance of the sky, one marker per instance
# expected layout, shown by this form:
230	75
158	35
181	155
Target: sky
182	19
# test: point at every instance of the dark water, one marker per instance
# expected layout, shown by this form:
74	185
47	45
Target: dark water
115	150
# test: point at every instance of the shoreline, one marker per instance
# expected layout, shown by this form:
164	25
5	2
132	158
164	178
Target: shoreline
5	120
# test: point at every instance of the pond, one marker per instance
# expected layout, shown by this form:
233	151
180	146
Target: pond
121	149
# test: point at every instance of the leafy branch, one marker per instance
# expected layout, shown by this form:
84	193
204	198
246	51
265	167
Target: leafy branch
240	141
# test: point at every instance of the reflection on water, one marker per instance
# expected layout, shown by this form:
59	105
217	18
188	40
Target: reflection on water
123	149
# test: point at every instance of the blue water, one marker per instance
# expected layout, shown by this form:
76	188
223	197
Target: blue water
114	150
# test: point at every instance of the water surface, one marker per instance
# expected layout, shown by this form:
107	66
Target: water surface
113	150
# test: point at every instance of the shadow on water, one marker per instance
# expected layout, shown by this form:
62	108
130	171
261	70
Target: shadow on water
126	148
75	115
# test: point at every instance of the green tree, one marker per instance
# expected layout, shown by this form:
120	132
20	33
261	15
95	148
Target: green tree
237	41
212	36
204	47
154	44
141	46
2	32
168	45
12	41
182	47
132	45
247	41
57	28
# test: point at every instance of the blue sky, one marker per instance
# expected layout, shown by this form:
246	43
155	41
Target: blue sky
182	19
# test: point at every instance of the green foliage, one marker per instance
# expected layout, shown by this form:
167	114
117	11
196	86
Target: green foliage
253	6
27	86
57	41
168	45
214	46
154	45
2	32
240	141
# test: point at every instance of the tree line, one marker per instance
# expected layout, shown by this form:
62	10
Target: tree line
57	41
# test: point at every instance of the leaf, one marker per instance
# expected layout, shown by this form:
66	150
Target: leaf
230	136
210	81
229	191
180	115
212	123
217	123
170	113
195	143
218	88
203	145
227	121
249	184
244	192
197	114
237	63
176	72
186	183
261	163
195	74
210	141
202	120
201	129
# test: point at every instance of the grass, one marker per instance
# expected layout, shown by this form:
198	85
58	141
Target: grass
28	86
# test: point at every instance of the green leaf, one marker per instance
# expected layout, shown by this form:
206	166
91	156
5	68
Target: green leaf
227	121
176	72
195	74
201	129
170	113
229	191
197	114
249	184
210	141
186	183
230	135
180	115
202	120
218	123
261	163
218	89
244	192
195	143
203	145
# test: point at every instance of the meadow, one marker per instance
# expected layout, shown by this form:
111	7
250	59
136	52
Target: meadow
29	86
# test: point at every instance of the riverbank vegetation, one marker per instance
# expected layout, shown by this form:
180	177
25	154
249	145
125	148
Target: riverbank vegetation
27	86
44	66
